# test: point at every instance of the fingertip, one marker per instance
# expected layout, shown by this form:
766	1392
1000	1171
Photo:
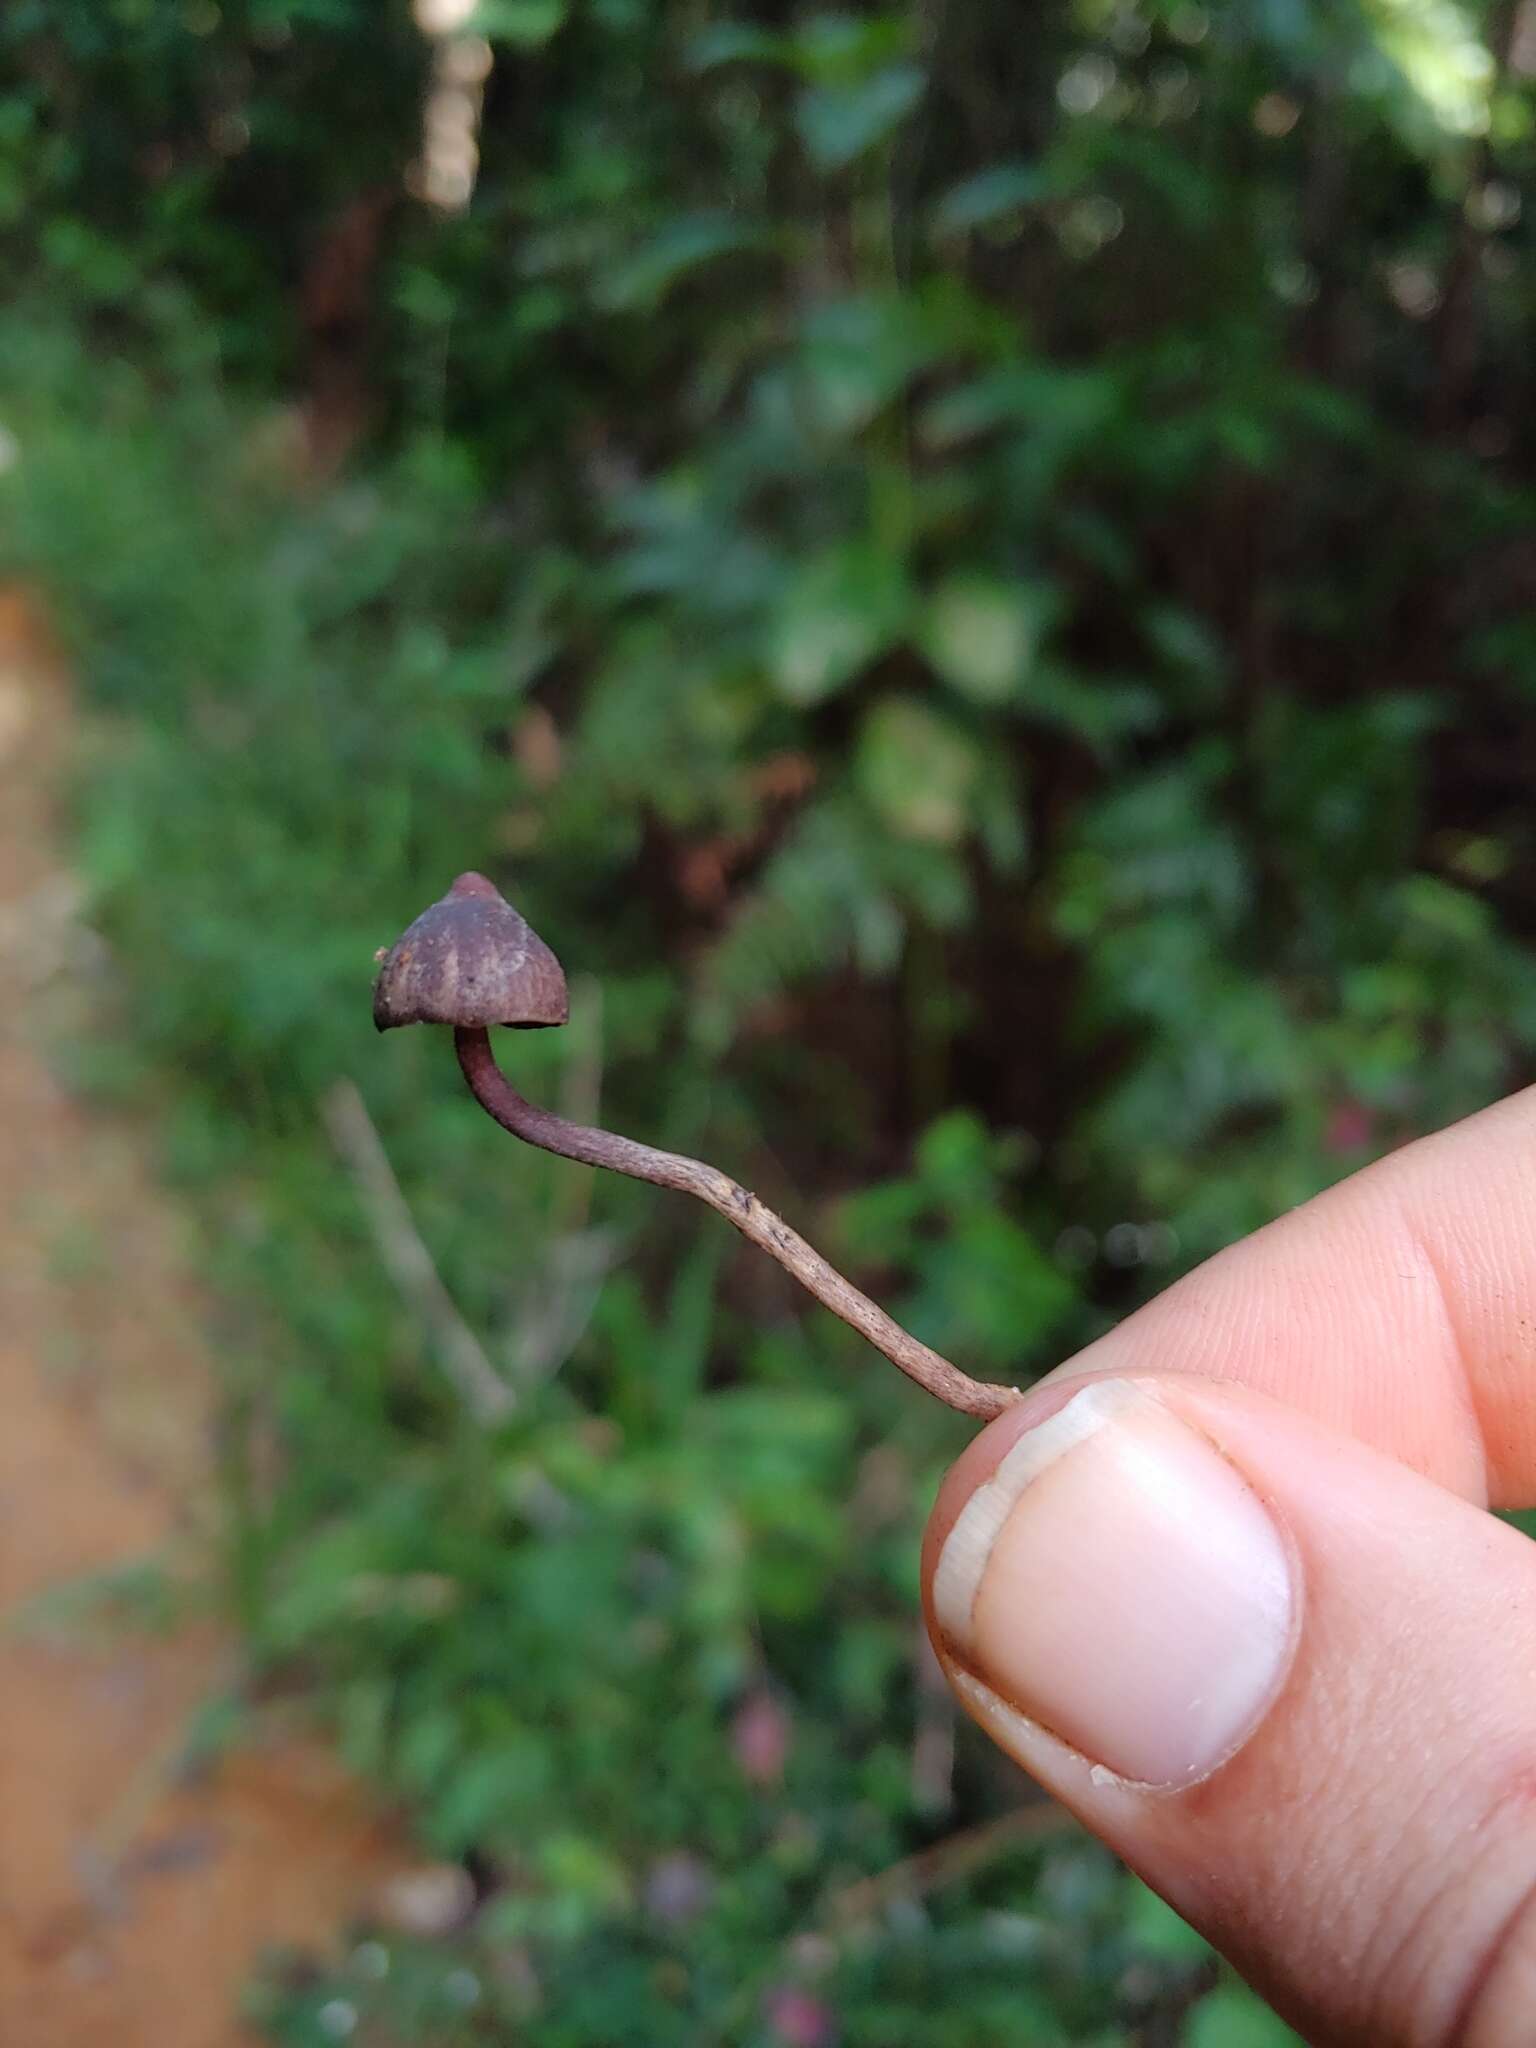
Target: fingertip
1283	1676
979	1460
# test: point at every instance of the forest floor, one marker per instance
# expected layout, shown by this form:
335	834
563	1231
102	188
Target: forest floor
136	1892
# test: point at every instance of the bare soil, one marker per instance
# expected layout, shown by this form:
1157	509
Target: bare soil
135	1896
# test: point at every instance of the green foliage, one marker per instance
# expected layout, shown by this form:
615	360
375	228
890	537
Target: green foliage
976	584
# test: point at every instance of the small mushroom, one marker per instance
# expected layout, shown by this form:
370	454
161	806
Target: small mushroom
470	961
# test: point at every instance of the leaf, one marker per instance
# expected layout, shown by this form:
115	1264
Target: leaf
1064	407
682	246
576	1863
1233	2017
1444	910
981	634
528	23
918	771
735	42
487	1790
956	1155
838	124
989	1289
1187	642
1100	709
1153	1926
992	195
845	49
840	611
424	297
856	354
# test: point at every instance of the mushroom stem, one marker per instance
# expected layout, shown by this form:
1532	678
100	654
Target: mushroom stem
499	1099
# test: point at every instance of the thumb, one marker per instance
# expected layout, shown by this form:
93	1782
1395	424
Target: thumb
1289	1680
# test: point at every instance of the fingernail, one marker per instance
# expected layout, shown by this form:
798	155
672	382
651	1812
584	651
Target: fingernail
1119	1583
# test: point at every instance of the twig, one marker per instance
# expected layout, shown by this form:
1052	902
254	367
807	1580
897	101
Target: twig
945	1862
738	1205
481	1388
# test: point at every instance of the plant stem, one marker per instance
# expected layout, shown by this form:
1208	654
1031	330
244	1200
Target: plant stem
551	1133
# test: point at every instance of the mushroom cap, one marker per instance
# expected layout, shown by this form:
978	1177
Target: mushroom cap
470	960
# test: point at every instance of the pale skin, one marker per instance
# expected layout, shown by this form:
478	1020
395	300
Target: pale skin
1366	1366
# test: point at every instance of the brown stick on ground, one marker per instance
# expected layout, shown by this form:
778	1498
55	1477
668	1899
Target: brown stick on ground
541	1127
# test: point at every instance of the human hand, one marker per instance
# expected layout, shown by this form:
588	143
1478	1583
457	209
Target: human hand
1225	1586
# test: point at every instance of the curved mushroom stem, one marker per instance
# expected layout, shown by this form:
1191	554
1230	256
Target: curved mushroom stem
541	1127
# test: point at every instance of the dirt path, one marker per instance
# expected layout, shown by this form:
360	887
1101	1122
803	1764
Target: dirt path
132	1902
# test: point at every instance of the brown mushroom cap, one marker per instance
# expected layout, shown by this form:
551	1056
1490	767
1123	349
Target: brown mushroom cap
470	960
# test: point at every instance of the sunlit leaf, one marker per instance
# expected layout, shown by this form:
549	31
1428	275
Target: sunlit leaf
839	612
918	770
981	633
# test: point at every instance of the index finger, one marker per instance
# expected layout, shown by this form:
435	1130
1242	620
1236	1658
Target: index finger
1399	1307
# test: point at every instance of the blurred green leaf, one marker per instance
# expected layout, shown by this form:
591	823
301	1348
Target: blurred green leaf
732	42
917	770
525	23
840	611
681	248
1153	1925
840	48
981	634
857	354
997	193
839	123
1233	2017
